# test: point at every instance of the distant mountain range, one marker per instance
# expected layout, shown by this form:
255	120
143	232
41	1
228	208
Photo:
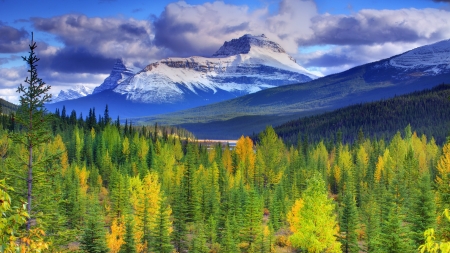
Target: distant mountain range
415	70
77	92
185	91
241	66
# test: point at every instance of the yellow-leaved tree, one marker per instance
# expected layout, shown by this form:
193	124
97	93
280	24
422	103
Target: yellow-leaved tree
312	220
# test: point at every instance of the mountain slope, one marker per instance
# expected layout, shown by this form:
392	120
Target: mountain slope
241	66
428	112
418	69
7	107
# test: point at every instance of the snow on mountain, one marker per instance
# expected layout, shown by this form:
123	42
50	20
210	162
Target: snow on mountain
241	66
430	60
244	44
77	92
118	74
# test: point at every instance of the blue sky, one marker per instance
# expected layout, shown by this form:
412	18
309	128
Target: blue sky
78	41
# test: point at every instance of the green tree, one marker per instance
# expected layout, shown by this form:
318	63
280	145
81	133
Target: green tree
93	239
34	120
252	218
199	240
349	223
423	213
161	232
229	243
395	236
130	245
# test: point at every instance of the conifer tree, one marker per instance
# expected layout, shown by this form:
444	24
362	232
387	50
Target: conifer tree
93	239
228	242
252	218
349	223
443	190
188	183
395	236
34	121
161	229
179	221
423	213
129	245
199	240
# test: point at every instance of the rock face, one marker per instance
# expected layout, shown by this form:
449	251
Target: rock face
77	92
118	74
244	44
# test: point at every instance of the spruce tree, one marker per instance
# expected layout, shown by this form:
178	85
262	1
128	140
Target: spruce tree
130	245
179	221
228	242
34	120
252	218
93	239
423	213
199	241
161	233
395	236
349	223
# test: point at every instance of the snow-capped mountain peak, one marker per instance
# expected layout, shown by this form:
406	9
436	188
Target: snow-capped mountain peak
245	43
118	74
74	93
240	66
430	59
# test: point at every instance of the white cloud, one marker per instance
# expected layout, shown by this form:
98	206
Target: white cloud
202	29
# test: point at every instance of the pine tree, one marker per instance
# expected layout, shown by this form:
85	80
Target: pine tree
264	241
188	183
395	236
161	229
349	223
199	241
423	211
130	245
443	190
93	239
34	121
252	219
228	242
179	221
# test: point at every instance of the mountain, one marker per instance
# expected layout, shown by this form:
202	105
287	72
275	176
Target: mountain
77	92
118	74
241	66
415	70
7	107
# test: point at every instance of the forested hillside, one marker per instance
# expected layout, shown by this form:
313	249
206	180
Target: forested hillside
428	112
7	107
124	189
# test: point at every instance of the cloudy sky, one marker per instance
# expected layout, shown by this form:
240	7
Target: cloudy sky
79	40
